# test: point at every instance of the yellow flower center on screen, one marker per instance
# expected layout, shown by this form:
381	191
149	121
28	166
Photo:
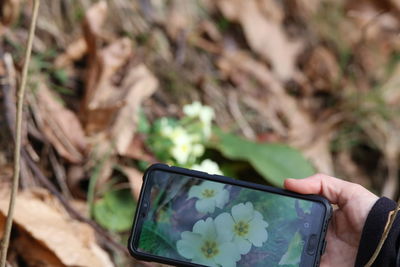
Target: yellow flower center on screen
241	228
209	249
207	193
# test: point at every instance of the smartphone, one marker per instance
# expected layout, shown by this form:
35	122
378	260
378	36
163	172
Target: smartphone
191	218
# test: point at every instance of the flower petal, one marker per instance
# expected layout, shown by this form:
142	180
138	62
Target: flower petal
205	228
242	245
224	225
195	191
205	205
189	244
243	212
258	216
213	185
257	233
228	255
222	198
200	259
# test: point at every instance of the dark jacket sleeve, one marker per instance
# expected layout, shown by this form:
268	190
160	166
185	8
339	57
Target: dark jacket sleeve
372	233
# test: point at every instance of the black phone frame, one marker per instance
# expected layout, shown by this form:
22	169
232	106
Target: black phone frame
223	179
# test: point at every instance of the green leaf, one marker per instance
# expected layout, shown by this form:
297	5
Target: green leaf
61	76
273	161
154	239
293	254
115	210
143	123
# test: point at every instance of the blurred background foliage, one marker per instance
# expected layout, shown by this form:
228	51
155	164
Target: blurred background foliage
294	87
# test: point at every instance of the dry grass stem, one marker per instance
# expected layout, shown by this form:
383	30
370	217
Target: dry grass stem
17	149
391	218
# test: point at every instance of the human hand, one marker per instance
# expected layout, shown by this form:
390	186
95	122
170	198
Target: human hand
344	232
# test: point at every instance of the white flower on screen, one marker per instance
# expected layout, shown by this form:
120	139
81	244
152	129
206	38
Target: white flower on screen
245	226
208	166
182	145
205	246
210	195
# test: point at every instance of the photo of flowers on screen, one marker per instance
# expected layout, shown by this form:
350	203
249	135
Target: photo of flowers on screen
216	224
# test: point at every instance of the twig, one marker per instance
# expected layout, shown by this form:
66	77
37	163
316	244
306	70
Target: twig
31	166
76	215
17	149
59	173
391	218
8	88
237	114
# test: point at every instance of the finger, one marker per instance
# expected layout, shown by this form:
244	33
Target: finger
335	190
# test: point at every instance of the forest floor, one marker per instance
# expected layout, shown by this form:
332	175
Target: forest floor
322	77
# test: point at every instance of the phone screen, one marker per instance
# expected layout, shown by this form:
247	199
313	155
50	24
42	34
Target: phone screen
216	224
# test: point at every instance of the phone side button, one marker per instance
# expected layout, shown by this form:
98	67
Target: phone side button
323	247
312	244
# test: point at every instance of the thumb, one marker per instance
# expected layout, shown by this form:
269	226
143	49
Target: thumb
335	190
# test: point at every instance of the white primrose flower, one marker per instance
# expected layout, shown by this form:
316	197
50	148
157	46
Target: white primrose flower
210	195
182	145
192	110
198	150
245	226
196	109
166	129
204	113
208	166
205	246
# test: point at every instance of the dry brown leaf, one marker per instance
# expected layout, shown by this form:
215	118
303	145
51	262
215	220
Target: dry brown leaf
103	99
390	89
94	19
74	52
75	178
322	69
72	242
272	10
384	134
92	28
60	125
111	59
308	7
139	84
9	11
114	88
351	170
303	133
181	17
135	178
136	150
2	224
395	4
264	35
32	251
373	17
